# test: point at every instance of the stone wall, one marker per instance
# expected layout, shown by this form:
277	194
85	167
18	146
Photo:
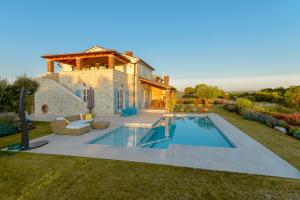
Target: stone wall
100	80
120	80
59	100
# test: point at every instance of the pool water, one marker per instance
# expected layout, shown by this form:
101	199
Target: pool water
188	130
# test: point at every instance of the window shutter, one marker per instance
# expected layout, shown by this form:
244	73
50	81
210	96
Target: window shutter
126	99
78	92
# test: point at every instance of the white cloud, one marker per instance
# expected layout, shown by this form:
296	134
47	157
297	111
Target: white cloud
242	83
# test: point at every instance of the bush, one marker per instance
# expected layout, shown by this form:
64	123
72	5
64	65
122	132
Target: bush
292	119
262	118
204	110
220	101
7	129
188	107
232	107
177	108
283	124
291	130
273	108
297	133
188	101
251	98
243	104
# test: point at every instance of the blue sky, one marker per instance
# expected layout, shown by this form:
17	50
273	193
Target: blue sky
234	44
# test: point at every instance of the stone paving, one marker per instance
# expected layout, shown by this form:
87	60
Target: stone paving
248	156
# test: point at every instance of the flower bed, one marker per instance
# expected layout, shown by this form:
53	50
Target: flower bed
292	119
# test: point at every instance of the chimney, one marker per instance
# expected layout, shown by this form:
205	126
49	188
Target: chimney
166	80
128	53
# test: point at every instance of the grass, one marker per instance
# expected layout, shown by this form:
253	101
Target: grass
285	146
42	128
36	176
6	119
33	176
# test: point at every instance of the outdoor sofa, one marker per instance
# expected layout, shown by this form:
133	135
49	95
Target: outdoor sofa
71	125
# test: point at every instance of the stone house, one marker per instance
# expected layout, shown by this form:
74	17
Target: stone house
118	79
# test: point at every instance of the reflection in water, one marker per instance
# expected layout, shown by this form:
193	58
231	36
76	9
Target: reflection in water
203	122
162	133
198	131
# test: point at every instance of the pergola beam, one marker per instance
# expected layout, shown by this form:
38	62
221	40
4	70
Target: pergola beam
79	64
62	57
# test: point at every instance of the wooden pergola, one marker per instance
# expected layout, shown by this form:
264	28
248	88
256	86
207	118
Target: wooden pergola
169	91
110	58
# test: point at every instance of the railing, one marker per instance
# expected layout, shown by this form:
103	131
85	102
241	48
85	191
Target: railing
52	76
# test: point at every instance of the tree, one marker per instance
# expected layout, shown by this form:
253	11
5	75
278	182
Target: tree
208	92
3	83
202	85
9	93
31	85
188	91
28	83
292	97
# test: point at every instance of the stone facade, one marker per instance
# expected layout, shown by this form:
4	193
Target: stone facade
115	78
102	83
61	97
59	101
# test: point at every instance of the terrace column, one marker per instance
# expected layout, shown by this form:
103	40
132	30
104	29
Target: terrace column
78	64
166	80
167	92
50	67
111	62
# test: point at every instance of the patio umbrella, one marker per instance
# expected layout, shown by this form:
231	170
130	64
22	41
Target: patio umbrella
90	99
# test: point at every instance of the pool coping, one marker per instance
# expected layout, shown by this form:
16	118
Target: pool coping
248	156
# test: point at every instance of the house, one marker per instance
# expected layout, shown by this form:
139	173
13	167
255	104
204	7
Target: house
119	80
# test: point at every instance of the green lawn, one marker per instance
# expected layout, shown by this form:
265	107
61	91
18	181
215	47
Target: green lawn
42	128
32	176
36	176
285	146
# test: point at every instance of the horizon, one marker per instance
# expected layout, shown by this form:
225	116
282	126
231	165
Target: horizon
237	46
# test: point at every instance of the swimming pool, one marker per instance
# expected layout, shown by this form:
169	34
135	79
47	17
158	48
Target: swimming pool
185	130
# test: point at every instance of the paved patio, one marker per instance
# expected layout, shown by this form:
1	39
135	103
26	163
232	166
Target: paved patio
248	157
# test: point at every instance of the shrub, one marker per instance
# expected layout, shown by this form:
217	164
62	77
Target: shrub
204	110
179	101
220	101
262	118
282	123
177	108
297	133
291	130
251	98
7	129
232	107
243	104
188	101
292	119
196	109
188	107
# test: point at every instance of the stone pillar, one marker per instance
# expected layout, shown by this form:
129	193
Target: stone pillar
166	80
167	92
78	64
50	67
111	62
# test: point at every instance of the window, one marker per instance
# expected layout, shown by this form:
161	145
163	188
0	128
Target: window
85	94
